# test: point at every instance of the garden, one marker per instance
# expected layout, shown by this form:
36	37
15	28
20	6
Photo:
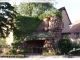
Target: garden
23	25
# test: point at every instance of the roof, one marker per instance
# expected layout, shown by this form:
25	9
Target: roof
75	28
40	36
63	8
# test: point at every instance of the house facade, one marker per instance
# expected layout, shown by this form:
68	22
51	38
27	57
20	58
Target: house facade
75	32
65	22
48	33
46	36
72	33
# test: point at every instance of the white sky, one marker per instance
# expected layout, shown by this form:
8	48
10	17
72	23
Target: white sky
72	6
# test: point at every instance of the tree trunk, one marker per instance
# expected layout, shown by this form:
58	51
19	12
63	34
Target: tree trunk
9	39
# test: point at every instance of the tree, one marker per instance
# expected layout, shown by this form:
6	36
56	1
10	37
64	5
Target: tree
64	45
7	14
33	9
25	9
43	7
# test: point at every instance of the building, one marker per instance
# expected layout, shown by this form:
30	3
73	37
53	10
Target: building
75	32
46	36
66	22
49	32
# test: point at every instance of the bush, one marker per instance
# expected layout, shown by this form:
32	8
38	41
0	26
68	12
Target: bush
64	45
47	53
22	51
58	52
11	52
75	45
3	43
76	52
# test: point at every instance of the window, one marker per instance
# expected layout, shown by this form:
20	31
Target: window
76	35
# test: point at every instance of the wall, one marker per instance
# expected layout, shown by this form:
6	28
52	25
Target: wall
73	39
65	21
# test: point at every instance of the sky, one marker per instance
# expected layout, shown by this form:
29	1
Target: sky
72	6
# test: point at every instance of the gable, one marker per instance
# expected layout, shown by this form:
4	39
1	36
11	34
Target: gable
63	9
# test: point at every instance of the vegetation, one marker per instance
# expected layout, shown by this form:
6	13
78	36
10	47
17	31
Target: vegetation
22	51
25	25
75	52
33	9
3	43
55	12
11	52
39	35
7	14
75	45
49	53
30	16
76	48
27	21
64	45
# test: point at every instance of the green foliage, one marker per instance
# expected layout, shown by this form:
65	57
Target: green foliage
15	44
58	51
11	52
43	7
58	13
55	12
25	25
64	45
22	51
49	53
6	18
25	9
33	9
76	52
39	35
75	45
3	43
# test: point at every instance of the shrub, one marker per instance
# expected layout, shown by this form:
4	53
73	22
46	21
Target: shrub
3	43
64	45
76	52
47	53
58	51
11	52
22	51
75	45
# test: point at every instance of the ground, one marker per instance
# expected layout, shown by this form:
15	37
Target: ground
39	57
